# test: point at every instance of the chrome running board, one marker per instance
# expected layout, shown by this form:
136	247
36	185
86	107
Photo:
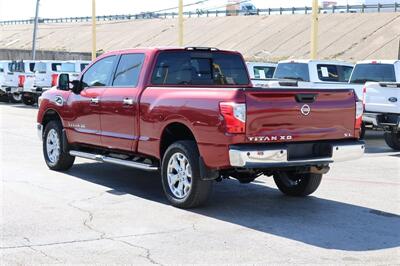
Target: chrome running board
106	159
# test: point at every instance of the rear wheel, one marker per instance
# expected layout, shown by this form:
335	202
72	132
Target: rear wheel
296	184
180	175
56	158
15	97
393	140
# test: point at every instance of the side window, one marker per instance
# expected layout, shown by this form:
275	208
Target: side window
83	66
128	70
99	73
328	73
56	67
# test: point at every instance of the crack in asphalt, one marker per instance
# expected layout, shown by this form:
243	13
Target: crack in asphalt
147	250
41	251
92	239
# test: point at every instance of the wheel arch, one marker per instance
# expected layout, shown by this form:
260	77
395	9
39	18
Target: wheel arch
51	115
172	132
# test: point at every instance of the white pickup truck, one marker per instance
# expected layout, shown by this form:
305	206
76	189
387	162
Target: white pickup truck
260	73
9	81
318	74
380	81
45	76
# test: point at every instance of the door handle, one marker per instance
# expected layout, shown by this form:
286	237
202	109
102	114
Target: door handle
127	101
94	100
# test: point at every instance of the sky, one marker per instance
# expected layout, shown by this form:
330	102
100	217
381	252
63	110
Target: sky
24	9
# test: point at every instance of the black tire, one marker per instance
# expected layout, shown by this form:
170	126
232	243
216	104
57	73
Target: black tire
393	140
298	185
28	100
4	98
15	97
63	161
363	129
200	190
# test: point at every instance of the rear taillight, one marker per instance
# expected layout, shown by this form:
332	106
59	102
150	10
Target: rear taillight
359	114
21	80
234	115
54	78
364	96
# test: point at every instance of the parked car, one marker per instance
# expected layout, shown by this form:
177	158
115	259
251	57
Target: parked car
260	73
380	80
313	74
193	114
45	76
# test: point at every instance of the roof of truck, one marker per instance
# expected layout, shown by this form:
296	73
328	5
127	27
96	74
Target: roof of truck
306	61
391	62
166	48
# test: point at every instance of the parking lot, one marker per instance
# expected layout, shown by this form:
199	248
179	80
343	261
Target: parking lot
106	214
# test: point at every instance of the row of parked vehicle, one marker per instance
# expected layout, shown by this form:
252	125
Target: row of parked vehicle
376	82
25	80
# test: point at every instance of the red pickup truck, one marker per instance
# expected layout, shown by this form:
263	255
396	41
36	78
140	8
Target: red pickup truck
193	115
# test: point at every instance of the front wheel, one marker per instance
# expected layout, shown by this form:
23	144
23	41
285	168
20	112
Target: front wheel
296	184
392	139
180	176
55	156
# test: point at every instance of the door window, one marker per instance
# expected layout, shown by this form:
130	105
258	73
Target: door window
128	70
99	73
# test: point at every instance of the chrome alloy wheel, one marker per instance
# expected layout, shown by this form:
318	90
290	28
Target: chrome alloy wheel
53	146
179	175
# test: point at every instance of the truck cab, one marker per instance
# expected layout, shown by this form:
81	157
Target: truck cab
309	73
260	72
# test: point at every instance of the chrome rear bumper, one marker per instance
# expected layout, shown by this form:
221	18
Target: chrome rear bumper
279	155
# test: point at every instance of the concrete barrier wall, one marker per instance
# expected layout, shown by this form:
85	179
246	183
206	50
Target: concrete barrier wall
341	36
18	54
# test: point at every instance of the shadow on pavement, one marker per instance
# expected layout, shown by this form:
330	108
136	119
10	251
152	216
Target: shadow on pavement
315	221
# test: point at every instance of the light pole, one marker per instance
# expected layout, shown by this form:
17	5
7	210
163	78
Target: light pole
93	30
35	30
314	30
180	23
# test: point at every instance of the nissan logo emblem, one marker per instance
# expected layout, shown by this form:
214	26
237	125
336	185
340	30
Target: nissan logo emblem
305	109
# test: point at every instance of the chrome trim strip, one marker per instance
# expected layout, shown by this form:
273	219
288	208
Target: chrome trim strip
106	159
340	153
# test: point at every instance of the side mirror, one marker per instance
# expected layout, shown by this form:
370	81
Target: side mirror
76	86
63	82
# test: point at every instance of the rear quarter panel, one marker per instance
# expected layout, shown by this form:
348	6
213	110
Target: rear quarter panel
198	109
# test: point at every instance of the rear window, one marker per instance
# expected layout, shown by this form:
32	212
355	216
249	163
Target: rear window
68	67
334	73
16	66
263	72
297	71
373	72
199	68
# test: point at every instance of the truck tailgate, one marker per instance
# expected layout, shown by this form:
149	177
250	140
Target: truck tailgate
292	115
383	97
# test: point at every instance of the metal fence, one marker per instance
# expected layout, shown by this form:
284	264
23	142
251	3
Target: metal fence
215	13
